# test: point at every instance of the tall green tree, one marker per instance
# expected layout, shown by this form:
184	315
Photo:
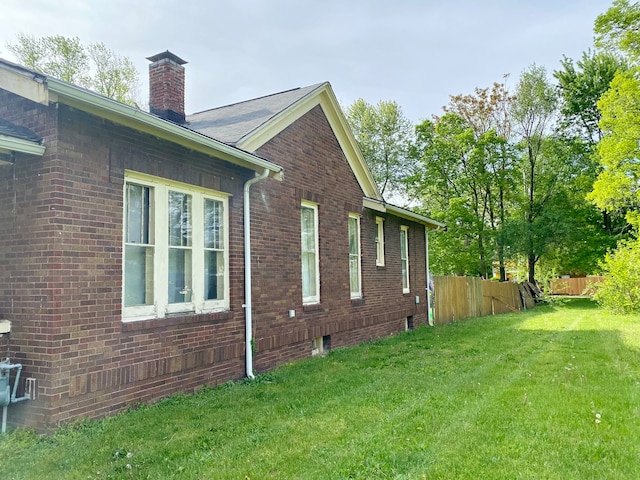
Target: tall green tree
617	32
94	66
593	231
456	183
534	113
384	136
618	185
581	85
487	110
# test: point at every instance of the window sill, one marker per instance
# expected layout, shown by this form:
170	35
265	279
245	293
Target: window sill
357	302
178	320
313	308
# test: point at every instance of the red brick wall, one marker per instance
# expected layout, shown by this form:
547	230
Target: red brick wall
61	261
316	170
61	258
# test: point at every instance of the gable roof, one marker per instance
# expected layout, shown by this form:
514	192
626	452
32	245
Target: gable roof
251	124
44	89
231	133
232	123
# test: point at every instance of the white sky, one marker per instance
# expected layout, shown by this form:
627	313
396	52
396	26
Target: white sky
414	52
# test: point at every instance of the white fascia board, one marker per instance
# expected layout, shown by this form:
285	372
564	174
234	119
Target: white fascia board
132	117
13	144
23	83
324	97
373	204
383	207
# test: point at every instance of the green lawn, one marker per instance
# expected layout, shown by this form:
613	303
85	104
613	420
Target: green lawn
551	394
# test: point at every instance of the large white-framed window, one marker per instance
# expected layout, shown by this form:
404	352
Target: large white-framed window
404	257
309	253
355	274
175	248
379	242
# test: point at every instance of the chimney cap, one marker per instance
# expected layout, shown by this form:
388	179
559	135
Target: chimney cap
168	55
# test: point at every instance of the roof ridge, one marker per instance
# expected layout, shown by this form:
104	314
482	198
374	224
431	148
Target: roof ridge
256	98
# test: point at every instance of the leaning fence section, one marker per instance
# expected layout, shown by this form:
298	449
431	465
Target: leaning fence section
574	286
456	298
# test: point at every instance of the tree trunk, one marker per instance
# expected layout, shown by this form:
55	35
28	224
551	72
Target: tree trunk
503	270
531	261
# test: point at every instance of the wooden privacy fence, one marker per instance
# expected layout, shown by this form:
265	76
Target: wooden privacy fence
574	286
462	297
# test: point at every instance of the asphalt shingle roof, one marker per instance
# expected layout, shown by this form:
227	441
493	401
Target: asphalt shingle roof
231	123
9	129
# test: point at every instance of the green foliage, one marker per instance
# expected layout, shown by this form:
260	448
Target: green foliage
58	56
115	76
620	291
94	66
616	188
464	179
552	391
581	86
384	136
617	30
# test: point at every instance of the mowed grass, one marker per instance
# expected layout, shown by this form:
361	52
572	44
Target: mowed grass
552	393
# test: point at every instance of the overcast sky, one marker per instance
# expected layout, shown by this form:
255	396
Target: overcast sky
414	52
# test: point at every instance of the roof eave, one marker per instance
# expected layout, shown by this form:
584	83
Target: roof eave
12	144
383	207
132	117
323	96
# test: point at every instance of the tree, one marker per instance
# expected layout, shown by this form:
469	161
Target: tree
384	135
618	185
617	30
581	84
456	184
485	111
534	111
593	231
94	66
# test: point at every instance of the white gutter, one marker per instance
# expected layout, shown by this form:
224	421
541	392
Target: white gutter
247	272
13	144
382	206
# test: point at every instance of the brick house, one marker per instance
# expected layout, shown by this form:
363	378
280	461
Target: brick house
130	270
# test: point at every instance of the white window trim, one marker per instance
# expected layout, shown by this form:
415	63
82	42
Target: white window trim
356	294
405	229
161	306
315	298
379	242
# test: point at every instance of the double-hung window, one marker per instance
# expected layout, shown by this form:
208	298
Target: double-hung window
355	277
379	242
175	249
404	257
309	253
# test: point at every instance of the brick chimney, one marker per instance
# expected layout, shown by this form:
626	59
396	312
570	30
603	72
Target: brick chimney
166	86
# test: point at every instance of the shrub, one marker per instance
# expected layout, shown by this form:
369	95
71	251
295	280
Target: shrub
620	290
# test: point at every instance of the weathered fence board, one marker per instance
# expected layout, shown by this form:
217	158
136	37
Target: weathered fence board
462	297
574	286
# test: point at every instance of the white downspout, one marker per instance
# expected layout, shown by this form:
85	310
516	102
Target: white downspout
426	241
247	272
429	306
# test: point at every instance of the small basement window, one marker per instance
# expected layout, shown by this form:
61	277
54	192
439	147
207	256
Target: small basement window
408	323
320	345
